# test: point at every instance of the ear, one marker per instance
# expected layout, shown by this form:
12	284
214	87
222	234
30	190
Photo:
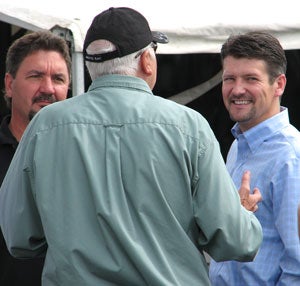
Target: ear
8	80
147	61
280	83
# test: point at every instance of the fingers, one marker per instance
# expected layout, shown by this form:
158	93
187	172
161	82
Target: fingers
257	195
246	180
248	200
245	185
254	209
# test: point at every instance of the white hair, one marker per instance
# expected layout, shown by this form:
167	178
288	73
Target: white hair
127	65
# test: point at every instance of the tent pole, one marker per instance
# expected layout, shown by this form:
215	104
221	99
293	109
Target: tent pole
77	73
77	60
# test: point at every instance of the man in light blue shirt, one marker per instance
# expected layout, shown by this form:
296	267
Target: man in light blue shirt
254	80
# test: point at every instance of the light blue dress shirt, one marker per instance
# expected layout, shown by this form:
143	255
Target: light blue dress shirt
271	151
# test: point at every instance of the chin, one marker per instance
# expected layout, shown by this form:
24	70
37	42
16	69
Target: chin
32	114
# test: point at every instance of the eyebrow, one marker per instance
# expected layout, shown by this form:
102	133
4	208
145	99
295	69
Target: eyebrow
43	73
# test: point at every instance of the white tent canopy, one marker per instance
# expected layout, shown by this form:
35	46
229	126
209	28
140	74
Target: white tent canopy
193	26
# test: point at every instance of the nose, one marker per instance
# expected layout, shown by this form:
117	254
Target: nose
238	87
46	85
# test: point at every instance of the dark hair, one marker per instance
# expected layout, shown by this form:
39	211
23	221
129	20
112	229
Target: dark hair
30	43
257	45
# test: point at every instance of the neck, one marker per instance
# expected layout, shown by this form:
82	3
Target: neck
17	128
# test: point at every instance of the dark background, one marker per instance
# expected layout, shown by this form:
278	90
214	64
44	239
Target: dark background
179	72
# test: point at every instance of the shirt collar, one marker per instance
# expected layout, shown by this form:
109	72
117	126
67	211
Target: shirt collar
120	81
259	133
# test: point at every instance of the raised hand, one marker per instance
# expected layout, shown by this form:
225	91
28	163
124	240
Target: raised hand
248	200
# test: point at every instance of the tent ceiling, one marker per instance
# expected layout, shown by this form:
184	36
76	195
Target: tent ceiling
193	26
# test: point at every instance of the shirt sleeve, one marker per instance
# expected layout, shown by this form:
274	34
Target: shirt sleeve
286	197
229	231
19	218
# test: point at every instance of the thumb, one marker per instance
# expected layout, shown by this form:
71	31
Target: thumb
257	194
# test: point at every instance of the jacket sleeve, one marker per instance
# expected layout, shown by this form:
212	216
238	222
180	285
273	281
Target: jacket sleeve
228	230
19	218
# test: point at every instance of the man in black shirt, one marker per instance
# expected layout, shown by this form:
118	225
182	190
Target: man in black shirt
38	68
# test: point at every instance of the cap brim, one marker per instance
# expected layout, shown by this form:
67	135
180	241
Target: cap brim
159	37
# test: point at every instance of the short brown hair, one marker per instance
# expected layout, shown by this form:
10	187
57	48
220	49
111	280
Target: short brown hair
257	45
30	43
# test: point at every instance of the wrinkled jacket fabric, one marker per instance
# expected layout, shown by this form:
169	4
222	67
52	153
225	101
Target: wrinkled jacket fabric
121	187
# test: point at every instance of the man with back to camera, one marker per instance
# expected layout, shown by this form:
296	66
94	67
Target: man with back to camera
134	188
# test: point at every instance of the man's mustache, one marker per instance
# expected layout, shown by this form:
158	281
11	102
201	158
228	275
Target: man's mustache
44	97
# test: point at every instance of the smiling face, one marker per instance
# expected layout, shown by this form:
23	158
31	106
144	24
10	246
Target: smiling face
248	94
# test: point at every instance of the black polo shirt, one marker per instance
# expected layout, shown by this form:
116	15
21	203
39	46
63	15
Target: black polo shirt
14	272
8	146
